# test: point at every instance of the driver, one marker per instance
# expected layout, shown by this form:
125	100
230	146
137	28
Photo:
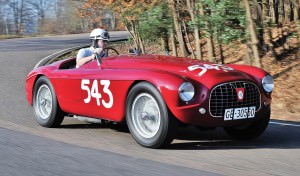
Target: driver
99	38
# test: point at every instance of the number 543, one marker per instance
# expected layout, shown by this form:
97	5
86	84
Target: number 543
93	92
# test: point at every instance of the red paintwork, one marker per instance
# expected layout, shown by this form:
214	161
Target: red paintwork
166	73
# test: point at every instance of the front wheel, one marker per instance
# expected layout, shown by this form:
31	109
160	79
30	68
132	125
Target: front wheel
150	122
249	131
45	105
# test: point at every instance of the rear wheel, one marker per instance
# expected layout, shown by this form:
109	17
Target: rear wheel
45	105
249	131
150	122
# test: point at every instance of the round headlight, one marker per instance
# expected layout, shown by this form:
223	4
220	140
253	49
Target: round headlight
186	91
268	83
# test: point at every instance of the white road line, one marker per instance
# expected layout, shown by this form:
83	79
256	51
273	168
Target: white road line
284	124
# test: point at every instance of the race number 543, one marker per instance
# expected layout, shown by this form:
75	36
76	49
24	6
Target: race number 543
94	92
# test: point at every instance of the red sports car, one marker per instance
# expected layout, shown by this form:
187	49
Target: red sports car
154	94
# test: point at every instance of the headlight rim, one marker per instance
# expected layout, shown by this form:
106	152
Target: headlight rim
181	88
268	83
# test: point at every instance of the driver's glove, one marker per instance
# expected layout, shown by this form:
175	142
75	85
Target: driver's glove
98	51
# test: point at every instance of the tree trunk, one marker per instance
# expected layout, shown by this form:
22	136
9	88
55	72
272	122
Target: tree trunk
295	9
265	19
178	30
210	43
271	46
276	11
130	28
209	38
268	27
272	11
138	38
191	9
188	40
260	21
253	36
249	55
287	11
173	43
164	40
280	11
6	27
113	21
220	47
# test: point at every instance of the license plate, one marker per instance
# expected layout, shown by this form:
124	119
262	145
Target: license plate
239	113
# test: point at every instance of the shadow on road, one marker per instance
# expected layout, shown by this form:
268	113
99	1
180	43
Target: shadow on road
108	125
277	136
190	138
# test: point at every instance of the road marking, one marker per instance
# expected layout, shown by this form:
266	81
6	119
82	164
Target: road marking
284	124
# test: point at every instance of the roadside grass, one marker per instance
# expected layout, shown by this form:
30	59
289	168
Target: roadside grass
8	36
2	37
18	36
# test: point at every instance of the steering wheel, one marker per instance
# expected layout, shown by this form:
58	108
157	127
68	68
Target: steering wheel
111	51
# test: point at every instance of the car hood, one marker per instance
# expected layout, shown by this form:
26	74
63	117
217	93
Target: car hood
207	73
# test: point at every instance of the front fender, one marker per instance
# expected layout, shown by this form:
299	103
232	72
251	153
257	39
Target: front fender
168	85
250	70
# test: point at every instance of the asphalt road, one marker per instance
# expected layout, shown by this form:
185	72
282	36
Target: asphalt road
78	148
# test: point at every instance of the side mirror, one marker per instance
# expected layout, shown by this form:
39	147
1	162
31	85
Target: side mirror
134	51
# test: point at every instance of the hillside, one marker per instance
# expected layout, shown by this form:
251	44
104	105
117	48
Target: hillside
285	70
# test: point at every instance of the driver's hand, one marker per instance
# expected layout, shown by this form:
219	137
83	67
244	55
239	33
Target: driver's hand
98	50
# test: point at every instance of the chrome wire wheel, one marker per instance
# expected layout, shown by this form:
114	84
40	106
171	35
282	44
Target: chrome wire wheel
46	108
145	114
148	118
44	102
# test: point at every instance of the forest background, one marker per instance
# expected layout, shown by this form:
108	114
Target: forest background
262	33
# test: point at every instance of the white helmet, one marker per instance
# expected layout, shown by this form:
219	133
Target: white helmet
99	34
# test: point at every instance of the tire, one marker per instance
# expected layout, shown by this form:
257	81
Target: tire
148	118
45	105
249	131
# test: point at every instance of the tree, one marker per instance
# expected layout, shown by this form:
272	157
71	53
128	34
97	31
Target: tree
221	24
40	7
206	26
253	36
177	27
21	15
155	25
3	18
194	11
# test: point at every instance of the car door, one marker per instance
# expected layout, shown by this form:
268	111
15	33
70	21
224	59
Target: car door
102	91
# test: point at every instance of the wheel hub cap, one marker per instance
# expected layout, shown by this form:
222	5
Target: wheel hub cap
146	115
44	102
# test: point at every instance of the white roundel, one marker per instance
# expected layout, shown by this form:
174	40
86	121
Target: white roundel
241	95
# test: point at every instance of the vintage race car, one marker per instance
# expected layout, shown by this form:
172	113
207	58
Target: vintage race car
154	94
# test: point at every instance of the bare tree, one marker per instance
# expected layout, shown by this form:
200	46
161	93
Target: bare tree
3	18
40	7
22	15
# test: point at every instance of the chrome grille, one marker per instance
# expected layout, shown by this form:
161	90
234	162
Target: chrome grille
224	96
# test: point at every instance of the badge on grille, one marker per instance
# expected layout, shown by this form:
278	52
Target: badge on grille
240	93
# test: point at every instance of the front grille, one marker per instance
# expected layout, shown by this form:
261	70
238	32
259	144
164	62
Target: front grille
224	96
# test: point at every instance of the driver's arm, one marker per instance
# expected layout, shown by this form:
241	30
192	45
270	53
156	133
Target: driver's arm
82	61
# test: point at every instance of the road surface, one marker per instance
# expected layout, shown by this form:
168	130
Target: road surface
77	148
